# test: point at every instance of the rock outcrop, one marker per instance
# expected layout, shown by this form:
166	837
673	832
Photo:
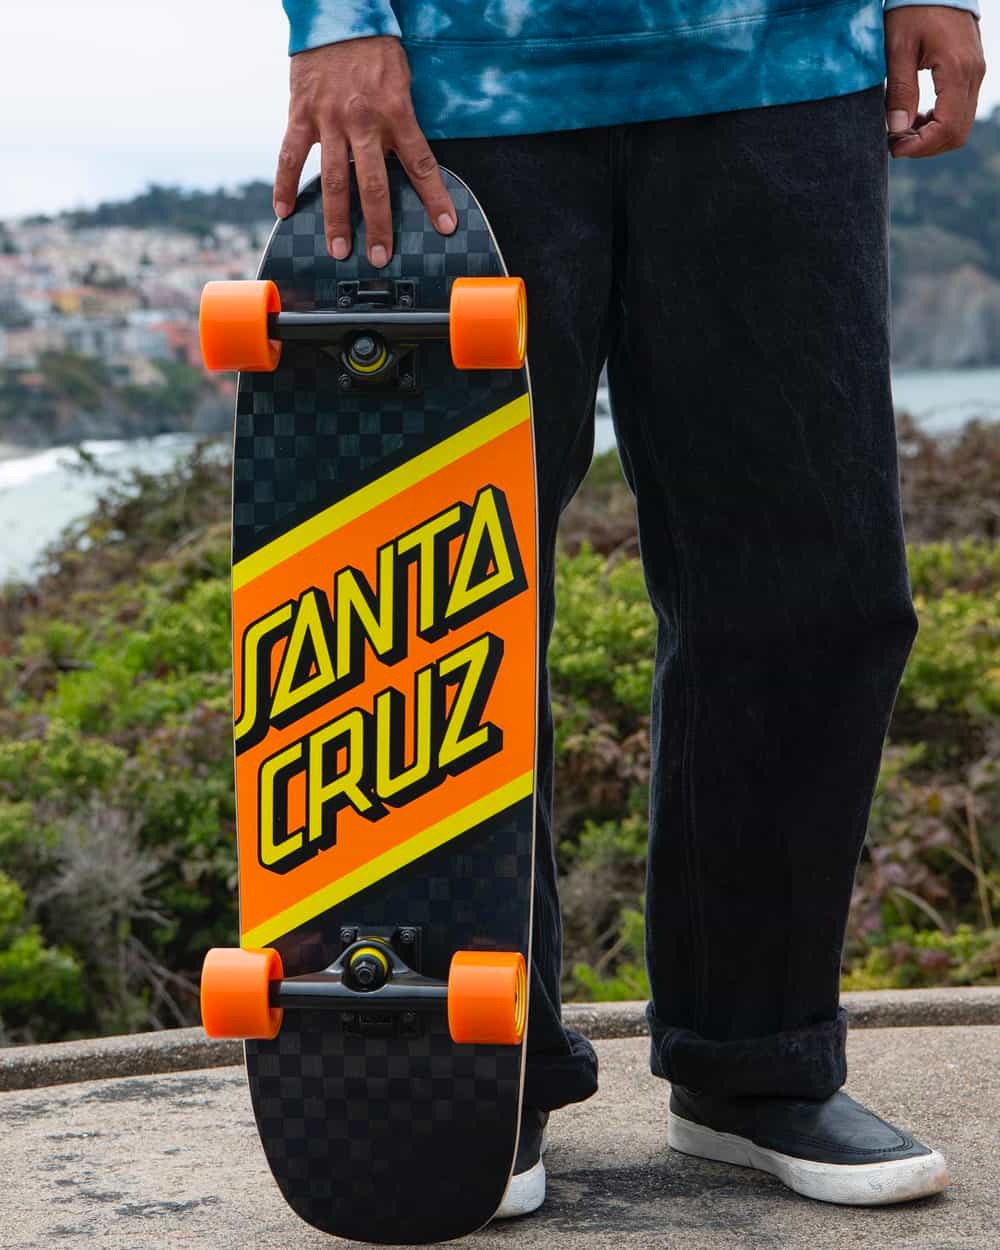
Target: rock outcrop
947	321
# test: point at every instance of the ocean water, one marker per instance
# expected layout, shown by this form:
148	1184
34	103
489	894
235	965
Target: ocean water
943	399
40	493
939	399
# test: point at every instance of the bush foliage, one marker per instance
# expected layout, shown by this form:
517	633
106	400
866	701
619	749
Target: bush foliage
70	397
117	846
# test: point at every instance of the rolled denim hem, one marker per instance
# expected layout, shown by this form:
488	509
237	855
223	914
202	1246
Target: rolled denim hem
555	1080
810	1062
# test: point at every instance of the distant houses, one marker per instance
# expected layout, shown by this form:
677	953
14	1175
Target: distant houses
123	295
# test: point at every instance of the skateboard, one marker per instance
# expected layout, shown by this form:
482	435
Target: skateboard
385	667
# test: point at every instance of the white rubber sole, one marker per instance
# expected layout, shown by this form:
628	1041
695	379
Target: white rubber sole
854	1184
526	1192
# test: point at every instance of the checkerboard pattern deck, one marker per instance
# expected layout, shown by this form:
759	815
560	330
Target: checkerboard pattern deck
387	1138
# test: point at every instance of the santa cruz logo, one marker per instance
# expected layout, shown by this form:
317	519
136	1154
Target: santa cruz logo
385	749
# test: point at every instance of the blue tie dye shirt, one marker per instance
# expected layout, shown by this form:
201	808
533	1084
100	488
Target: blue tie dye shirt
490	67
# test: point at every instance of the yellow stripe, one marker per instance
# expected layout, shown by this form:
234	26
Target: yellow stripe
392	483
390	862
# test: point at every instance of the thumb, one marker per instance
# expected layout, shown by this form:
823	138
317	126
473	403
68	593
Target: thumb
902	93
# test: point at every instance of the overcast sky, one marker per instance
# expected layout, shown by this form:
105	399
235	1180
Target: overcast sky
100	97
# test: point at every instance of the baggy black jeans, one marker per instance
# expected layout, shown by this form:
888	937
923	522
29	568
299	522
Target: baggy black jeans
732	270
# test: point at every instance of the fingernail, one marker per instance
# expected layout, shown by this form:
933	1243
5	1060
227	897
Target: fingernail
898	120
281	209
340	247
378	256
446	223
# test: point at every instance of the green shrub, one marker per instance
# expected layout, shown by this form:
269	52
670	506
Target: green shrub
902	957
605	632
628	981
970	565
955	664
54	760
40	986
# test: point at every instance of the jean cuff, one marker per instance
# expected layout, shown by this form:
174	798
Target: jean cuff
810	1062
552	1080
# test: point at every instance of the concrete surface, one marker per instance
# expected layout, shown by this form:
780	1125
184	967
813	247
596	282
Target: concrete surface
176	1050
147	1163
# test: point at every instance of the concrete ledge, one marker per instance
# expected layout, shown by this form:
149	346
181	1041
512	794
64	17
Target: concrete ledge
892	1009
177	1050
871	1009
137	1054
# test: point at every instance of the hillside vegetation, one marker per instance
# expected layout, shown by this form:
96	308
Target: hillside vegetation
945	255
197	212
117	855
69	397
947	212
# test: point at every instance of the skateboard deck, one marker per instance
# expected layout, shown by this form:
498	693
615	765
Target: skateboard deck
385	686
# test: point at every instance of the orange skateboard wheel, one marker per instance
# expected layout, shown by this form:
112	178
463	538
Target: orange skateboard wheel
487	997
488	323
235	985
232	325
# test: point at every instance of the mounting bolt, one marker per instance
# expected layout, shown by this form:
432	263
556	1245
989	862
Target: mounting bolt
348	935
408	936
406	301
364	349
344	301
406	381
344	382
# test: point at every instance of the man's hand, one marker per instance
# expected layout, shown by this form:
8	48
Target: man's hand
355	96
945	41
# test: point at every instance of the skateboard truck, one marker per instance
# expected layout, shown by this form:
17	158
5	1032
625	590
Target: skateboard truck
244	992
372	348
370	970
243	326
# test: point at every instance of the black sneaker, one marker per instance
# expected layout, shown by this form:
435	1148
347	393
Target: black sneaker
526	1191
832	1149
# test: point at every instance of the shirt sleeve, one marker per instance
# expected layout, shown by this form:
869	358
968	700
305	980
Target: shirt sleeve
315	22
970	6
